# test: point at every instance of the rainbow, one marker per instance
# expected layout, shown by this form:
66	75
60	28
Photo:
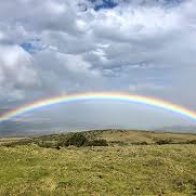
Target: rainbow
131	98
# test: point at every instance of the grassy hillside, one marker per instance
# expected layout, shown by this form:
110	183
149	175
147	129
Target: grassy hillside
113	137
118	169
137	137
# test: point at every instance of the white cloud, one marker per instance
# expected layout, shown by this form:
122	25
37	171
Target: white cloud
16	72
145	47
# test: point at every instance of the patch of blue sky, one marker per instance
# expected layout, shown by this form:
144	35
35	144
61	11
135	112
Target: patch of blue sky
32	46
103	4
172	2
109	4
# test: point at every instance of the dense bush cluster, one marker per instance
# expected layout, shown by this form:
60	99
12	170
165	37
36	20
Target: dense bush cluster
100	142
191	142
163	141
79	139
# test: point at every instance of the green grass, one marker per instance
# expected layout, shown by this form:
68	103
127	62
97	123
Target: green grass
114	170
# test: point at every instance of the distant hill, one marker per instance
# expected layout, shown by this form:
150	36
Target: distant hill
177	128
112	136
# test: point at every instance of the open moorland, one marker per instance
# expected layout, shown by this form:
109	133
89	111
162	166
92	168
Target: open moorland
102	162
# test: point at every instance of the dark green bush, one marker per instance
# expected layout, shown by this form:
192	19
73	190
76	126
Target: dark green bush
46	144
100	142
143	143
163	141
191	142
77	139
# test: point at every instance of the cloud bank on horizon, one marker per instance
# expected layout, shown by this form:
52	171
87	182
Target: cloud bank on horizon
53	47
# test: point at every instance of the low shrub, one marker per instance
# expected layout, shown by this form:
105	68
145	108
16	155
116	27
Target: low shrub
163	141
100	142
119	143
143	143
17	143
191	142
77	139
46	144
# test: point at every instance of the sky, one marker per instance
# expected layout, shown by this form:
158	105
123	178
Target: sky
55	47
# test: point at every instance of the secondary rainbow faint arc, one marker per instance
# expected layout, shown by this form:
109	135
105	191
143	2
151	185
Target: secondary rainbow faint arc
132	98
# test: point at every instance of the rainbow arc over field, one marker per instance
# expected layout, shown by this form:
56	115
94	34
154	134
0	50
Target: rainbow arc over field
113	96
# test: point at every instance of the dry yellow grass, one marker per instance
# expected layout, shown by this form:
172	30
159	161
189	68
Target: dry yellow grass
141	136
121	170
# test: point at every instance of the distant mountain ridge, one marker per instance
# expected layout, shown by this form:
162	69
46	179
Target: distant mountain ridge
177	128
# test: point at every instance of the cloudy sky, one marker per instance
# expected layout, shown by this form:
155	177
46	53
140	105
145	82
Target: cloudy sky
54	47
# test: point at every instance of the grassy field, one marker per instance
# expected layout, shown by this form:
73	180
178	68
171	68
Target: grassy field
118	169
